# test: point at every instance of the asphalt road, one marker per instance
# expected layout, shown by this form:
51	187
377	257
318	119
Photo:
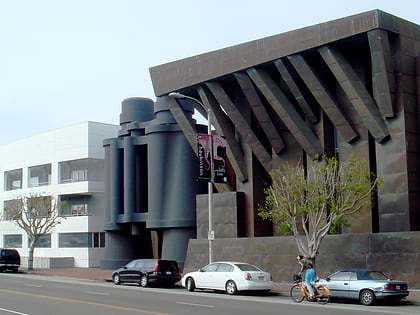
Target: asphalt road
41	295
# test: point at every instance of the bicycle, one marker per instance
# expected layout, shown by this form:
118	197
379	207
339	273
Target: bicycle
299	292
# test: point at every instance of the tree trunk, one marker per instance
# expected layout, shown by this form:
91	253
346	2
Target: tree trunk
31	256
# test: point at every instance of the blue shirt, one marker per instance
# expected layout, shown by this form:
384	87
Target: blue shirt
310	275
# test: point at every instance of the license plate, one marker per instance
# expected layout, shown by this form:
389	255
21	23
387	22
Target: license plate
397	287
260	277
168	273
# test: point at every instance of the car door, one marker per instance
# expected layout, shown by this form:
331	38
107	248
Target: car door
126	272
339	284
222	274
137	271
205	276
355	284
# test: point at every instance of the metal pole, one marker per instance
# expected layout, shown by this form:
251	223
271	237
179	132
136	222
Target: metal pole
210	188
210	235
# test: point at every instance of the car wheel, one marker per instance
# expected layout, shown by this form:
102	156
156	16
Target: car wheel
367	297
116	279
144	281
190	284
231	287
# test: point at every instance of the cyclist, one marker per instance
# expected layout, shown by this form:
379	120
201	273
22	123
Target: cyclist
310	280
305	265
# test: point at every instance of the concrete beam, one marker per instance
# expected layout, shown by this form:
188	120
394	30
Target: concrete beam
260	112
241	125
287	113
295	90
225	128
186	125
356	92
323	96
382	71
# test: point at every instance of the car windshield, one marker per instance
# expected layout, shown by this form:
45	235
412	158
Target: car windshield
247	267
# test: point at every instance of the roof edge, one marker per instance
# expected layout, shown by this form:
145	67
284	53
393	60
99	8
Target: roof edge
190	71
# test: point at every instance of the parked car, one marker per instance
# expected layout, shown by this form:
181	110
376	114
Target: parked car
148	271
230	277
9	259
365	285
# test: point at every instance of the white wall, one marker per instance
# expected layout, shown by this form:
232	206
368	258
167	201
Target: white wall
77	141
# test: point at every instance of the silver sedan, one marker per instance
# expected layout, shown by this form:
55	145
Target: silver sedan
365	285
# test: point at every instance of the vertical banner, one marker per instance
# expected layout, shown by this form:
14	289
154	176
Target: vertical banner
219	159
204	145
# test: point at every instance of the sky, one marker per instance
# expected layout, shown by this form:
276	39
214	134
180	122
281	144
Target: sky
67	61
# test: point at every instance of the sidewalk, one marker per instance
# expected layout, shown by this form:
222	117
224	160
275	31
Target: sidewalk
81	273
105	275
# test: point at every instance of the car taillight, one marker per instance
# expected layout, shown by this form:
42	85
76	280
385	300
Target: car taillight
178	269
248	276
156	266
389	286
404	287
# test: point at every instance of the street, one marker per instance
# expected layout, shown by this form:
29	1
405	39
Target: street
41	295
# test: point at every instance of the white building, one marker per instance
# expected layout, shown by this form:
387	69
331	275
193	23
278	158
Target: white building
68	164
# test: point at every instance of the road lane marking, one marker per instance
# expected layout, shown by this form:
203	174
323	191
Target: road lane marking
85	302
33	285
193	304
97	293
13	312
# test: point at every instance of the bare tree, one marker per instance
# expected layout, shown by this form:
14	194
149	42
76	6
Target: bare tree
37	215
310	203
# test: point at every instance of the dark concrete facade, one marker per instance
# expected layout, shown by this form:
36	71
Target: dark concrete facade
348	85
278	254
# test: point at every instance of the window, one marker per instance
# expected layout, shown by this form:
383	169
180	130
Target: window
81	170
79	175
73	240
210	268
99	239
40	206
224	268
77	210
12	240
43	242
246	267
39	175
84	240
74	205
341	276
9	206
13	179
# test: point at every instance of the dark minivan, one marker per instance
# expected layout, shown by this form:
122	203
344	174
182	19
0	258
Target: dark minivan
147	271
9	259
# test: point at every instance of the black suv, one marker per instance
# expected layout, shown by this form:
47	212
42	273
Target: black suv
147	271
9	259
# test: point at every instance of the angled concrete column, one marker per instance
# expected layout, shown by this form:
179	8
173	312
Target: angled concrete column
382	71
260	112
241	125
324	97
356	92
290	117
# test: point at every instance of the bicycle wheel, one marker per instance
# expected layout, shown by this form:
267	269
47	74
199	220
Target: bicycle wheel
322	297
296	294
